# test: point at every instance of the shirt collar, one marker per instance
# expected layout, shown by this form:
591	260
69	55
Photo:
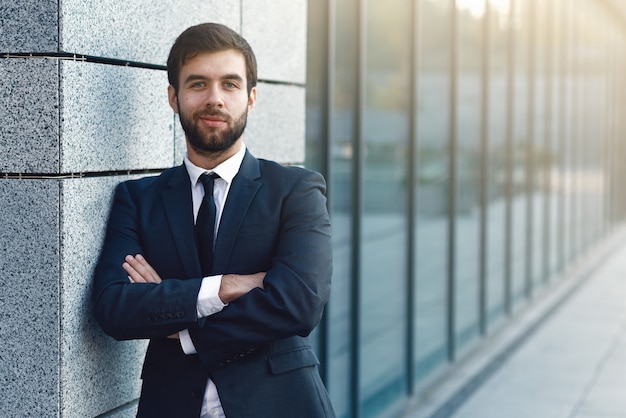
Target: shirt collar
227	170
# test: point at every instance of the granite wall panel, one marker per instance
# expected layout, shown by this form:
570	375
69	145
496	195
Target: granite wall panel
29	115
92	363
29	26
138	30
276	125
114	118
276	30
29	297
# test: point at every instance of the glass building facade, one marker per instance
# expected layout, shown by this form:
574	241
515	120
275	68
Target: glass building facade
473	152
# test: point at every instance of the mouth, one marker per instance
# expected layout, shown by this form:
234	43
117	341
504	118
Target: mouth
213	121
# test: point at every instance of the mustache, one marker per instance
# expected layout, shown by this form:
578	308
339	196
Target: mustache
214	114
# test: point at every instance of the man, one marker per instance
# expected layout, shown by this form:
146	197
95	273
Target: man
228	311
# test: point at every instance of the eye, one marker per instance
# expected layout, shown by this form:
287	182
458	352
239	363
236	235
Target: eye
198	84
230	85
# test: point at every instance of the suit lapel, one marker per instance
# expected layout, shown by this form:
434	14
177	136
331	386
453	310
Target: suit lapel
242	191
179	211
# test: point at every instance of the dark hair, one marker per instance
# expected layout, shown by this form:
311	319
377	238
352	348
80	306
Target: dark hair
209	37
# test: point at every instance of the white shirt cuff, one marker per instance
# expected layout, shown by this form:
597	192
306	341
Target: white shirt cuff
186	343
209	302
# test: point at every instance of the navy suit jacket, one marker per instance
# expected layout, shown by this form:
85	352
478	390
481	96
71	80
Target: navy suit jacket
256	349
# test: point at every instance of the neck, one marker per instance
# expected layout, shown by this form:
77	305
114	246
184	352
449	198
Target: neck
209	160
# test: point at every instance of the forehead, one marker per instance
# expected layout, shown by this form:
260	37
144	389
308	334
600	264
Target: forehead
215	64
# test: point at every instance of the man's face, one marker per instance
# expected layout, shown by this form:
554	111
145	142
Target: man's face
212	100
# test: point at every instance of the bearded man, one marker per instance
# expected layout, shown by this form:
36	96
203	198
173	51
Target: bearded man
223	263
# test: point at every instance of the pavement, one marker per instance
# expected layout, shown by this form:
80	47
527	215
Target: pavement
562	357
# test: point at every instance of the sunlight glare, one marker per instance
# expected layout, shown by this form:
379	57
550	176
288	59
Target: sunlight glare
477	8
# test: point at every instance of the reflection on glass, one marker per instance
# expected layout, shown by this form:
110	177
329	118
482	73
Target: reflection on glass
542	158
519	205
433	183
468	180
341	142
555	72
499	27
384	223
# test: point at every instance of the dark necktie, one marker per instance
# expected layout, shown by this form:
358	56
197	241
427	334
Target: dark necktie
205	224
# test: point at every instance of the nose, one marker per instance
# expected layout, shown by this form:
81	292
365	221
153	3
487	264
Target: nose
214	97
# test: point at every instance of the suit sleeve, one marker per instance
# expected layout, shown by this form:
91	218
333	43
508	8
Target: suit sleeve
127	310
297	285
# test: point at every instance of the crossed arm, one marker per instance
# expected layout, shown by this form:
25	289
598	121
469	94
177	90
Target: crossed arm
232	286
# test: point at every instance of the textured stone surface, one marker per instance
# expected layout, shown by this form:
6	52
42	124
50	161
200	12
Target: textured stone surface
276	30
29	115
93	363
29	297
29	26
114	118
138	30
276	125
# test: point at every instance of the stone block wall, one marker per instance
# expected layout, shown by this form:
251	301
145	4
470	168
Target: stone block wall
83	105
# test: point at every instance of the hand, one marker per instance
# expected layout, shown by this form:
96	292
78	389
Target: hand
139	271
236	285
174	337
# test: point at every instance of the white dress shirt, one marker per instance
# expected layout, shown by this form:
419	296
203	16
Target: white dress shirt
209	302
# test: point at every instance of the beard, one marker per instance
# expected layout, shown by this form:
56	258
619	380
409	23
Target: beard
207	140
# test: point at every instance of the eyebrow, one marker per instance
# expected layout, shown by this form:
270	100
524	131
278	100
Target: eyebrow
194	77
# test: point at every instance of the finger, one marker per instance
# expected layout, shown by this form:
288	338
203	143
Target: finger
133	275
139	266
150	271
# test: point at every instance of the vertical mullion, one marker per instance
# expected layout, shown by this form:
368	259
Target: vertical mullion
530	151
608	150
412	203
562	120
576	133
484	172
509	158
326	166
453	182
357	212
547	174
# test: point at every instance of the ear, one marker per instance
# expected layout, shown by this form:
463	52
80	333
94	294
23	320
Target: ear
173	99
252	99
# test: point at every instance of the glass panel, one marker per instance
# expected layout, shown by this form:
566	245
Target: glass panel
557	138
519	205
468	169
433	183
499	26
574	137
568	77
384	224
593	125
539	158
340	182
